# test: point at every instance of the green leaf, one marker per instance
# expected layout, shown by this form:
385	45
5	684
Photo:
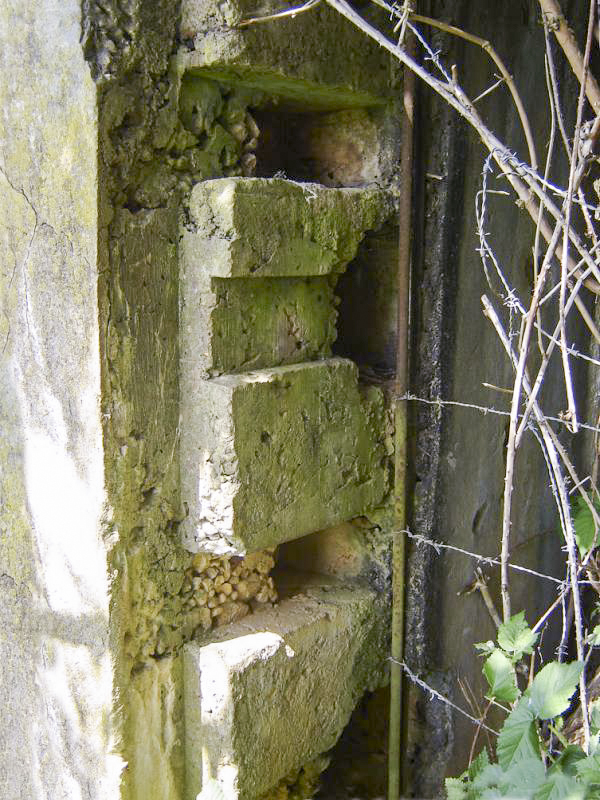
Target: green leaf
561	787
478	764
568	760
594	711
500	674
593	638
524	778
585	529
456	789
588	769
491	775
211	791
518	738
516	637
486	647
552	689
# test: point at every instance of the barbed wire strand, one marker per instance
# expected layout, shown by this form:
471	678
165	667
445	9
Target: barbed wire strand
438	696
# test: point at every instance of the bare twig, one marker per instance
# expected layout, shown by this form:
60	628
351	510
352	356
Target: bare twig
565	513
572	409
564	36
286	12
487	47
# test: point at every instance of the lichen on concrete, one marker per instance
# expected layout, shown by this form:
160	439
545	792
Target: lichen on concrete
258	264
57	682
301	783
277	228
163	130
261	322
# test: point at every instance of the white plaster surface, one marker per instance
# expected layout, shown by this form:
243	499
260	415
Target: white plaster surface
56	680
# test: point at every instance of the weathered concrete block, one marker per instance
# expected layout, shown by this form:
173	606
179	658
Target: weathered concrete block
275	454
285	57
282	241
268	227
279	687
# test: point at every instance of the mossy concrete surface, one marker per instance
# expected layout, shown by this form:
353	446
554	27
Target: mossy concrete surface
318	60
275	454
276	690
288	241
56	673
263	322
268	227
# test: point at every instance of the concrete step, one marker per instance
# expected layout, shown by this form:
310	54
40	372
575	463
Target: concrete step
276	690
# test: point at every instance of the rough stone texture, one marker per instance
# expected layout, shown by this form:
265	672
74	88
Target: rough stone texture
56	684
279	687
272	455
286	57
284	239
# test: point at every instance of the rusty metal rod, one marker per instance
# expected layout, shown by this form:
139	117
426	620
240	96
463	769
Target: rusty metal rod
395	771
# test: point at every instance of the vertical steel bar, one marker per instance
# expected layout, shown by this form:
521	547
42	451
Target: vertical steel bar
395	772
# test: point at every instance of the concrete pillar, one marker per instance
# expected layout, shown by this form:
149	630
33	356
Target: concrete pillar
56	672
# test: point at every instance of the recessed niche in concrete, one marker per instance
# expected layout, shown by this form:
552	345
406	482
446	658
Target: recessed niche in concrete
272	449
367	310
336	148
317	60
258	261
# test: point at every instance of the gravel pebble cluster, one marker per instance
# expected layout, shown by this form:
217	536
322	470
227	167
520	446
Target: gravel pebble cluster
213	591
218	590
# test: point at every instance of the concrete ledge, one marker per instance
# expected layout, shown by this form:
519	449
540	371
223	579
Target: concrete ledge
285	58
272	455
279	687
268	227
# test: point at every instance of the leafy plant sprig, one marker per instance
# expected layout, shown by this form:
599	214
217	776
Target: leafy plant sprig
525	769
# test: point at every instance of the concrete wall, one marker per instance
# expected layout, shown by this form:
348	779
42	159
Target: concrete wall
56	673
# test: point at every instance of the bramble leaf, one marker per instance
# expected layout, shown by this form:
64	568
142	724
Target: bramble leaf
500	675
568	760
585	529
518	738
478	764
552	689
588	769
516	637
486	647
559	786
593	638
524	778
456	789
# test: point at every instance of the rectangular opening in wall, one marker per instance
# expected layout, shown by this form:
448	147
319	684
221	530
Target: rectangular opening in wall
366	324
339	148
